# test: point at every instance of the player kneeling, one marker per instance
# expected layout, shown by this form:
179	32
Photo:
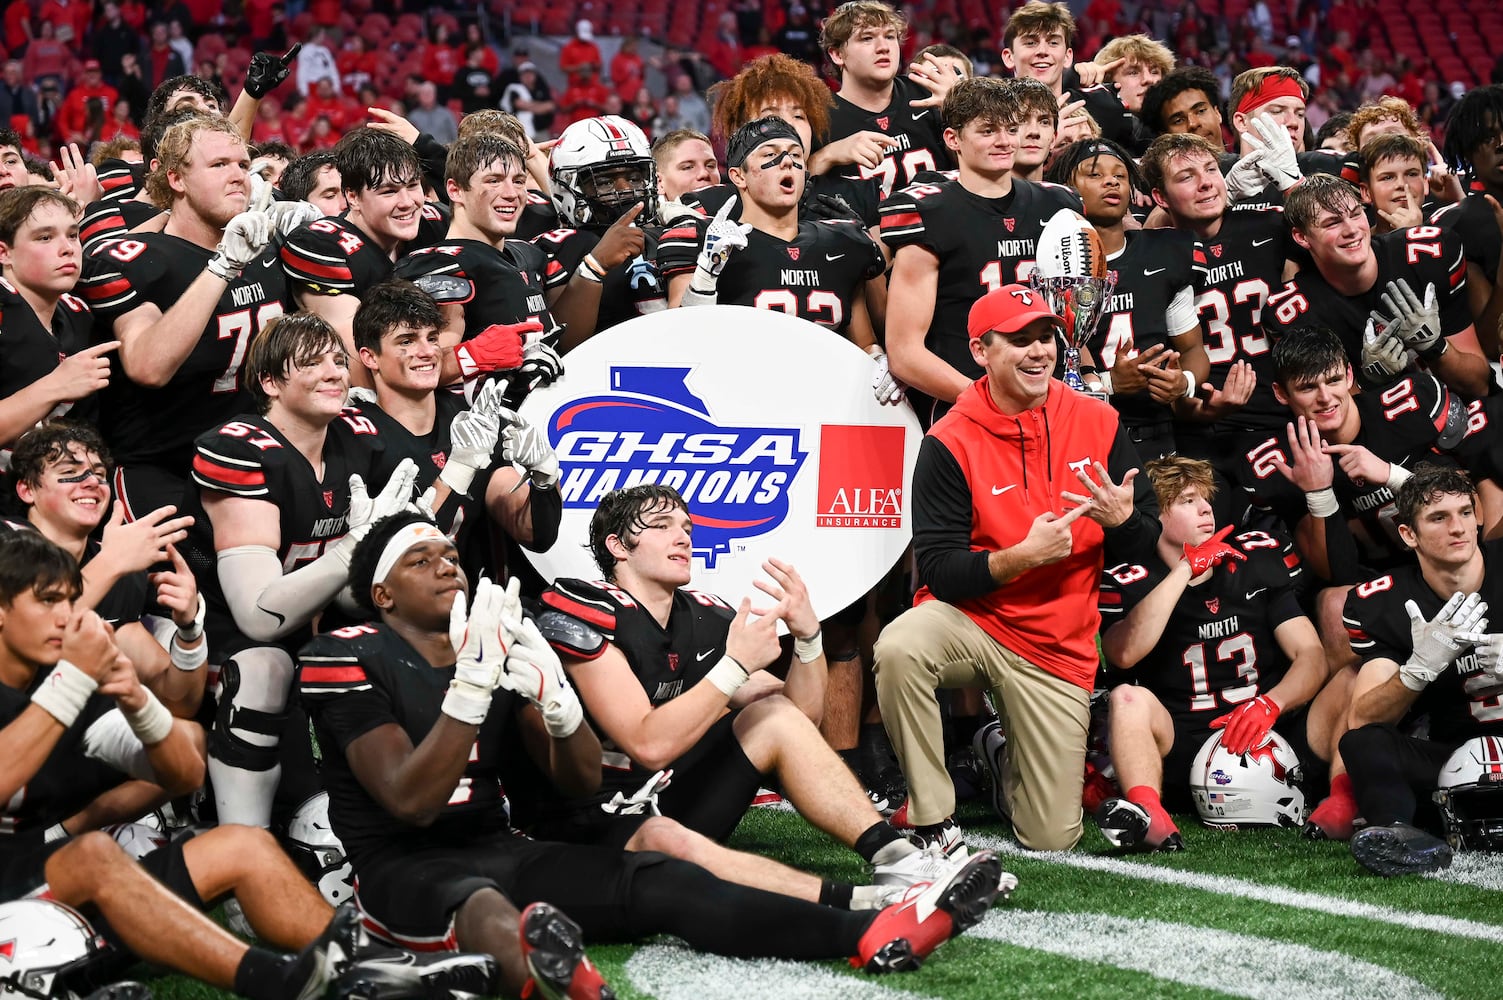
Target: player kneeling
1214	639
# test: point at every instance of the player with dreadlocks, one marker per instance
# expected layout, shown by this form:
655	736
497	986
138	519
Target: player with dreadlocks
1474	142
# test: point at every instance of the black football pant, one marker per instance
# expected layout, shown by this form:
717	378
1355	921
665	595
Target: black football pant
1393	774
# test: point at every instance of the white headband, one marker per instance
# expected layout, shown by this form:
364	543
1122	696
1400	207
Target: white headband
406	537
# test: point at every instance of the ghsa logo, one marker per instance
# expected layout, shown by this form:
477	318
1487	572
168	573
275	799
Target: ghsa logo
651	429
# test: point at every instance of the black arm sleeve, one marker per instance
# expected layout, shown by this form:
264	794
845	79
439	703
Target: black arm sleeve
433	154
1341	552
942	527
547	512
1135	539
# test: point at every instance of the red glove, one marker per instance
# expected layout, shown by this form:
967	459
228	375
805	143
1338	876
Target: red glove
497	348
1211	552
1247	724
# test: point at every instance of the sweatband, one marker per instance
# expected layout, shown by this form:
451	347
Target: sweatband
1397	475
406	537
1189	383
54	833
188	659
728	676
753	134
1322	503
810	649
151	722
1271	88
65	692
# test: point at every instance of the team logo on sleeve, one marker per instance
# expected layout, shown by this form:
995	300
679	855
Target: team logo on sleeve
652	429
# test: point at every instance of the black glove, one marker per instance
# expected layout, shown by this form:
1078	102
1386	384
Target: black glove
828	208
266	71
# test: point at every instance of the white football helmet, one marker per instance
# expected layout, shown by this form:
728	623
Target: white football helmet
138	839
1470	795
320	855
48	951
1257	788
600	168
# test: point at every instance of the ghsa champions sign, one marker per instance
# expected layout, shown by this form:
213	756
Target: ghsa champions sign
767	426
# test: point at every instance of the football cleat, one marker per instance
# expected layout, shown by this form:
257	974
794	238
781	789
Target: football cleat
330	954
382	973
554	950
1400	849
902	936
1126	824
899	818
966	773
928	864
945	838
990	745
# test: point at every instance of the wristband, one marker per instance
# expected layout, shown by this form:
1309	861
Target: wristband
191	631
185	658
54	833
1322	503
1435	353
594	265
583	271
65	692
1189	383
1397	475
220	268
151	722
728	676
466	702
457	476
1106	381
810	649
1414	678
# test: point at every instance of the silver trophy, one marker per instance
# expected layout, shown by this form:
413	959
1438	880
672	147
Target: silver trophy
1080	301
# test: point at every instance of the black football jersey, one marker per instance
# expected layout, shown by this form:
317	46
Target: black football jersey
668	661
29	351
981	244
120	179
632	288
494	286
1422	255
333	256
429	452
918	131
1377	625
1219	648
1152	268
356	679
156	426
1472	219
112	217
539	216
248	457
862	195
1402	424
125	602
815	277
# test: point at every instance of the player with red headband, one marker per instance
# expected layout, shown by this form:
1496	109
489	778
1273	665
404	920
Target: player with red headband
1268	113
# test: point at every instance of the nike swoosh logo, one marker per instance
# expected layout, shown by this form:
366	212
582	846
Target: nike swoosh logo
919	114
699	657
269	261
1255	593
1156	270
281	619
999	490
1262	243
834	256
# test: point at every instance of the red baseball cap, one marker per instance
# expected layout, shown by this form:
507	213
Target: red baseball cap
90	64
1008	310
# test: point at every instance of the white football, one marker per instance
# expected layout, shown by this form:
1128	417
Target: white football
137	839
1070	246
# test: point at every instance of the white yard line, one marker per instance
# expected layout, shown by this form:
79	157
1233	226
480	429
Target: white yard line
675	972
1244	889
1478	869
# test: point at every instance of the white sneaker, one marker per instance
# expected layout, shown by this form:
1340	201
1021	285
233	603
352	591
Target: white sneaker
929	864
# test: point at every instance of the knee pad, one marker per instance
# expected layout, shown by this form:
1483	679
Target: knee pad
252	708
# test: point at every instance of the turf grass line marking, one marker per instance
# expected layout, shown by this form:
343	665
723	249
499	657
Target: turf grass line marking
1478	869
676	972
1227	885
1234	964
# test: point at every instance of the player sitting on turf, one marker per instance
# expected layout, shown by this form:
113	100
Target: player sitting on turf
1208	636
422	715
673	678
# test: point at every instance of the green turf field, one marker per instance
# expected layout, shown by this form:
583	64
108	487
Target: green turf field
1256	914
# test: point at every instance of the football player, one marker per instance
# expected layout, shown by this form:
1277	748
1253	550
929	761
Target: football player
184	304
13	173
75	727
1208	636
957	239
314	178
115	216
1392	181
1148	342
539	215
62	479
330	262
422	713
673	678
489	287
1038	127
281	504
1140	62
1411	283
1268	114
884	125
1474	144
1187	100
1425	649
686	162
47	365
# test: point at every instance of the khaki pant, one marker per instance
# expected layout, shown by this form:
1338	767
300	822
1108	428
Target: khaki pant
934	646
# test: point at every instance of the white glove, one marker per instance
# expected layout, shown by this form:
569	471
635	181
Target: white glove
480	641
526	445
1278	162
1415	322
365	511
885	385
244	238
721	237
360	395
541	364
289	215
1245	179
1383	354
643	800
473	435
1488	681
533	671
260	185
1438	643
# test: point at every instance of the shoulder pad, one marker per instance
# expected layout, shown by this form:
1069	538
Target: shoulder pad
590	603
446	287
331	664
570	635
231	458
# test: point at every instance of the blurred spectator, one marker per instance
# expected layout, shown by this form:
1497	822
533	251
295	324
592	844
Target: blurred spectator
18	33
584	98
692	110
113	39
49	106
431	117
761	47
76	14
724	51
119	125
341	111
627	68
212	73
180	42
440	57
269	126
643	110
474	85
134	12
798	37
162	60
580	54
315	62
262	16
474	36
522	100
24	127
73	121
132	87
323	135
46	56
356	63
669	119
16	95
1262	20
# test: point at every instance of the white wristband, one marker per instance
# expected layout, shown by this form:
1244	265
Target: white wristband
65	692
1397	474
457	476
1106	381
728	676
1189	383
54	833
188	659
584	271
810	649
151	722
1322	503
195	628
